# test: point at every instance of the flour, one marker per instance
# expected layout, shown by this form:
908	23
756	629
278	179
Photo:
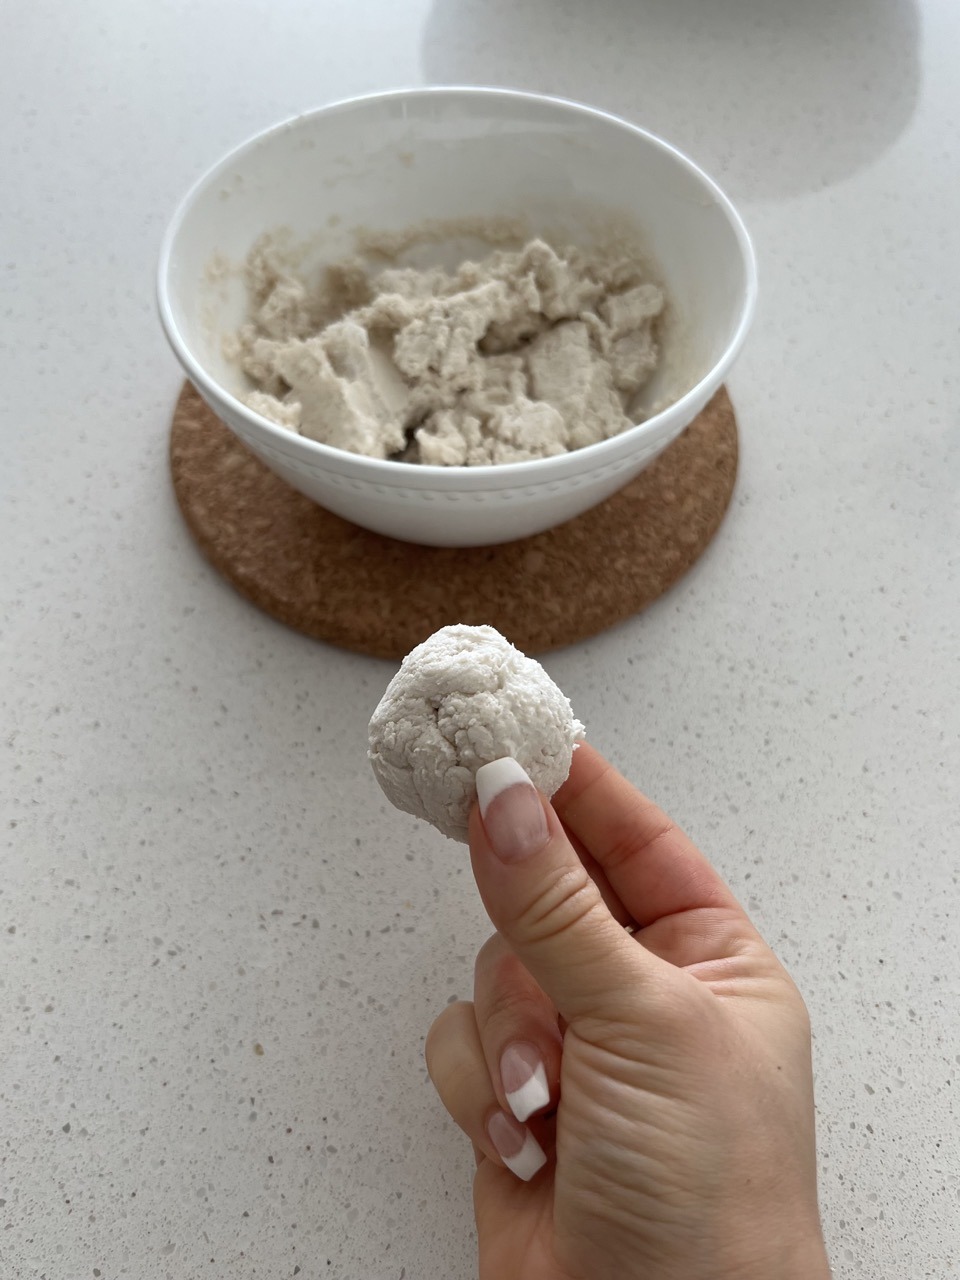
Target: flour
528	353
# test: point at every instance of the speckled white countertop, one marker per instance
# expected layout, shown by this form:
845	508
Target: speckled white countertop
219	952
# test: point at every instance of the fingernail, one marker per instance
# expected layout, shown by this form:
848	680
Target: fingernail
524	1080
516	1146
511	810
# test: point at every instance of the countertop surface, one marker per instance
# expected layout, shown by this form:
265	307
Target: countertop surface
220	951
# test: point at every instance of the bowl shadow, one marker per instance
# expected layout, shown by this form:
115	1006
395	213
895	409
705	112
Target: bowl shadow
773	97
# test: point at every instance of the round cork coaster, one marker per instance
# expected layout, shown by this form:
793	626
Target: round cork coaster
372	594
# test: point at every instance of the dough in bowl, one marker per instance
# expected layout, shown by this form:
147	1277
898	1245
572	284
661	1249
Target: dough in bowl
465	697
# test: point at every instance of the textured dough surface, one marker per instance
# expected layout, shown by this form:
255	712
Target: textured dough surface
527	354
465	697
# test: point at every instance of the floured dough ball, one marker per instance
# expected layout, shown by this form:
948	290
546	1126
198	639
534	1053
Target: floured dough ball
465	697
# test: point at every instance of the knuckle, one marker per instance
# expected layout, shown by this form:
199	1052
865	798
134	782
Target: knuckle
508	975
638	833
489	955
565	903
512	1002
445	1026
508	1001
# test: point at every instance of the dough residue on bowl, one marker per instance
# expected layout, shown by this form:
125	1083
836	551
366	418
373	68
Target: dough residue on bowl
527	353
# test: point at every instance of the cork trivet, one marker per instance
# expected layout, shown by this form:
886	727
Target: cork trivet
372	594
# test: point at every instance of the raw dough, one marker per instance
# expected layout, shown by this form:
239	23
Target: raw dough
465	697
527	354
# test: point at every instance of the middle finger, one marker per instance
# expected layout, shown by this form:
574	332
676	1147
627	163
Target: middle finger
519	1031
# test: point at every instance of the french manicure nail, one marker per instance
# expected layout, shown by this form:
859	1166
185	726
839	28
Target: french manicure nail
511	810
516	1146
524	1080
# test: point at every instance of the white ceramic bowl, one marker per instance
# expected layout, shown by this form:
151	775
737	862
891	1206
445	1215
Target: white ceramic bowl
390	161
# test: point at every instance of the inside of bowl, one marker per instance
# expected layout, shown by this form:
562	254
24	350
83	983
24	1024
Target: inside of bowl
484	161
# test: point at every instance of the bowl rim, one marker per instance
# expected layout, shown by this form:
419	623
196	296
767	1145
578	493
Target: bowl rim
516	471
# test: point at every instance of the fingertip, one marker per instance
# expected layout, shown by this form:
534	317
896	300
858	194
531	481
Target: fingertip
515	1145
498	776
523	1076
586	766
512	810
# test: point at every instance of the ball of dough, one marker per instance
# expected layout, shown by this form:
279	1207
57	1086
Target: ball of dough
463	698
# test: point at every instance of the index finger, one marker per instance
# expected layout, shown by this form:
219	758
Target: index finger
652	866
548	909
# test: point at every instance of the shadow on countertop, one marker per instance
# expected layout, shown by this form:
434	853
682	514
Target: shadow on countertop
773	97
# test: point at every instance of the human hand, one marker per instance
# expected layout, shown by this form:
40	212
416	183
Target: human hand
667	1072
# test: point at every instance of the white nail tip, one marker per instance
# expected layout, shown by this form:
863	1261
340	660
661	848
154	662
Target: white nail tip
529	1160
496	777
530	1097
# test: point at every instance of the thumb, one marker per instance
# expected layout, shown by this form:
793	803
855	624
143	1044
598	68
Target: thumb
544	903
